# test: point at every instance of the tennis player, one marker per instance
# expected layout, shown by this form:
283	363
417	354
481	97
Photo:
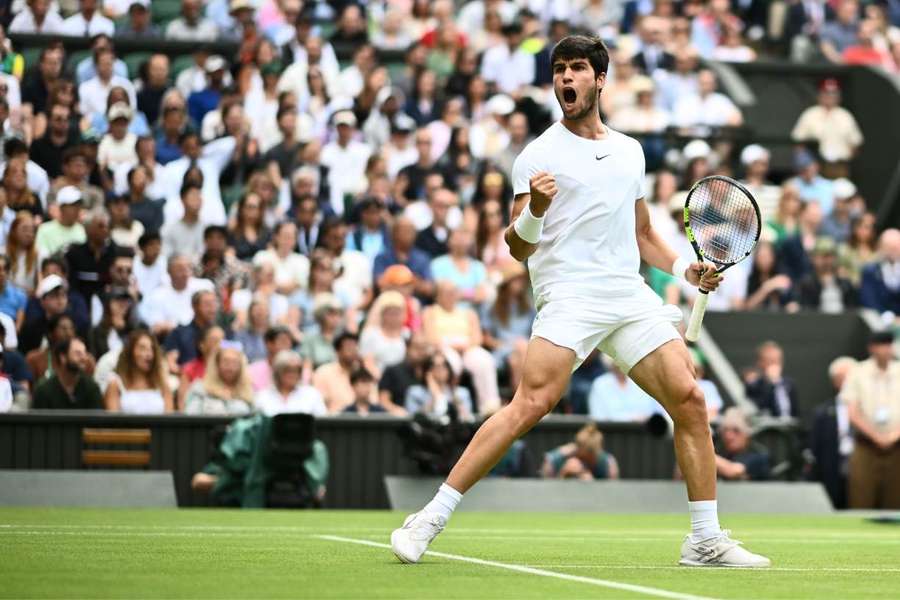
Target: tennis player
580	219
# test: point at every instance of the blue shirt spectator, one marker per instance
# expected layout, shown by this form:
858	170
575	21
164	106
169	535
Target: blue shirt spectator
12	299
615	397
87	70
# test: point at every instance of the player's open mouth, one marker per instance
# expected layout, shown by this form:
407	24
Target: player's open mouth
569	95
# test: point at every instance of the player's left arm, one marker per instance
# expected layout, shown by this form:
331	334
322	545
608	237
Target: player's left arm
657	253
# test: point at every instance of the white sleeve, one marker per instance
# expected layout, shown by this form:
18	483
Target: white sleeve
219	152
523	169
641	184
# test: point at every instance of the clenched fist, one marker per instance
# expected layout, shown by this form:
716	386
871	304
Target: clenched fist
543	189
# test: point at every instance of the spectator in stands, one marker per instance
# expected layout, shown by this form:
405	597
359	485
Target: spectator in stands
507	324
186	232
248	233
225	271
399	278
467	274
440	396
252	335
47	151
872	394
88	21
382	343
739	458
37	17
766	384
87	68
397	379
755	160
208	343
292	270
433	239
708	108
333	379
182	343
139	23
508	67
94	91
824	289
192	26
139	385
831	127
69	387
224	388
363	385
370	236
89	261
795	251
831	439
40	361
346	160
841	33
12	364
880	285
150	271
12	298
119	319
615	397
584	459
53	298
682	81
15	187
317	347
837	224
76	173
276	339
866	50
118	145
767	286
456	330
860	249
288	394
141	207
168	306
208	161
490	243
124	231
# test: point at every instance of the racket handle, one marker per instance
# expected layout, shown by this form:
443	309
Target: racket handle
693	330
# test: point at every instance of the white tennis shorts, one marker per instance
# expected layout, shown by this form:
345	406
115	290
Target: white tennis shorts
626	329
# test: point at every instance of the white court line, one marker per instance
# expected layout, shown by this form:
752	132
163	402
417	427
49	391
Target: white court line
766	570
615	585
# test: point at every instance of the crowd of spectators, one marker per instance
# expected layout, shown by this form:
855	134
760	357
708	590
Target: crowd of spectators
279	230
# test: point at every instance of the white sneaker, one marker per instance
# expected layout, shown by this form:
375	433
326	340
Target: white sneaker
719	551
411	541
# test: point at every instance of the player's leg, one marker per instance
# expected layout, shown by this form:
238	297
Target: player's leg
545	377
667	374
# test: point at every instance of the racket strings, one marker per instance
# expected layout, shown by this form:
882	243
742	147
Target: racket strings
724	221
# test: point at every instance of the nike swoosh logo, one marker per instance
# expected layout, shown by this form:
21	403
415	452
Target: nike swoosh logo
601	157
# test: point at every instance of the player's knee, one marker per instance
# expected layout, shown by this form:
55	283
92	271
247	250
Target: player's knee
530	407
690	407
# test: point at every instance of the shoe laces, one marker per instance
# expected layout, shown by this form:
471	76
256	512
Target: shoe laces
425	527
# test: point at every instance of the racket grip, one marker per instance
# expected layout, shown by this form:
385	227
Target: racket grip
693	330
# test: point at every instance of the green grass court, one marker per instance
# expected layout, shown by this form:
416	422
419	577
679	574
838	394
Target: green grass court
78	553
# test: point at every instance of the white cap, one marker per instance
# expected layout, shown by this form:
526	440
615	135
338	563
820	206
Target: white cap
843	188
696	149
753	153
119	110
215	63
68	195
500	104
48	284
345	117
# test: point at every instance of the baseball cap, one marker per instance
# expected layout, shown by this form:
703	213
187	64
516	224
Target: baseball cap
734	419
119	110
139	5
345	117
825	245
696	149
753	153
215	63
403	123
642	84
500	104
238	5
396	275
68	195
843	188
48	284
391	299
882	337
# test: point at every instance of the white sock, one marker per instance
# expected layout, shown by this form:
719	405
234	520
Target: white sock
444	502
704	519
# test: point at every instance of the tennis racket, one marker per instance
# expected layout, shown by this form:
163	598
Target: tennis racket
722	222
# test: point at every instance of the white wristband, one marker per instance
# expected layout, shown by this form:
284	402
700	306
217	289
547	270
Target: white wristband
680	267
529	227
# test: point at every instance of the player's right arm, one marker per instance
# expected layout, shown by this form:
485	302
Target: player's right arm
542	191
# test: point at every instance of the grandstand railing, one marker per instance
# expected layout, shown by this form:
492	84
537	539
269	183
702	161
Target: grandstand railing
362	450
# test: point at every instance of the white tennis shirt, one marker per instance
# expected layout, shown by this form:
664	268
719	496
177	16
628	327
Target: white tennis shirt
588	247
